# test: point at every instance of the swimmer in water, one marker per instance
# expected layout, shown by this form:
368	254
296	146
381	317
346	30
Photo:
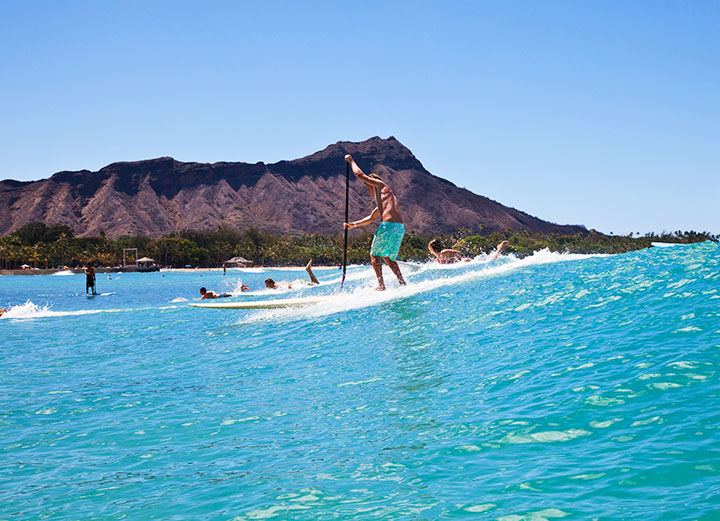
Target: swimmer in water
211	294
450	256
271	284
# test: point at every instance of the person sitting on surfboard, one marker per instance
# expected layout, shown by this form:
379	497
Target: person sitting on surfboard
271	284
211	294
450	256
389	235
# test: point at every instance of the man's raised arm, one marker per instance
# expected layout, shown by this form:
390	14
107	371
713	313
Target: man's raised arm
360	174
497	251
431	248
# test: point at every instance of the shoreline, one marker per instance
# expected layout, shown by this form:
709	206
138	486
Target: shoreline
256	269
132	269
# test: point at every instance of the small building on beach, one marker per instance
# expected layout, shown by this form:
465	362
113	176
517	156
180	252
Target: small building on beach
238	262
145	262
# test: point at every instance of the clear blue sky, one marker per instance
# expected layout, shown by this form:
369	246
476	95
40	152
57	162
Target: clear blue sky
601	113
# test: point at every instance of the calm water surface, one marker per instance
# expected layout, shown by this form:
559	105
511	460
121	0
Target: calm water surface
556	386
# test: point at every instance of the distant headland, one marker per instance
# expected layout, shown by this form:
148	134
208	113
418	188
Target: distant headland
163	196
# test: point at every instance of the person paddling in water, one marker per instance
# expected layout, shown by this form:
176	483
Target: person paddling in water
389	235
450	256
271	284
446	255
211	294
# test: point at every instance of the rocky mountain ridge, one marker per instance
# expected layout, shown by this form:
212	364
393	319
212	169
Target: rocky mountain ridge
160	196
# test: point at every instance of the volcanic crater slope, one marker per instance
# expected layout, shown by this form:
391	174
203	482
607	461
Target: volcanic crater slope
160	196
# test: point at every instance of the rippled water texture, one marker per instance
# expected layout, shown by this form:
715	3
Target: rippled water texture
536	389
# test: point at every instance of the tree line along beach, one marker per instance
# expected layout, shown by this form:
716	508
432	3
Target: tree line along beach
54	248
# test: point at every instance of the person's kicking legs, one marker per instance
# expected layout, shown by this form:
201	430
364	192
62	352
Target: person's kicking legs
312	276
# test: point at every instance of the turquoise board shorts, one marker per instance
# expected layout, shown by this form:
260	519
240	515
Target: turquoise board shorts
388	237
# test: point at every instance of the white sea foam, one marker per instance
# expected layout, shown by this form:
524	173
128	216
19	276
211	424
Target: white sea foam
436	277
237	290
480	508
354	273
545	436
540	515
30	310
63	273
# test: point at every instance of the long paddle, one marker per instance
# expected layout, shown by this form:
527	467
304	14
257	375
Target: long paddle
347	201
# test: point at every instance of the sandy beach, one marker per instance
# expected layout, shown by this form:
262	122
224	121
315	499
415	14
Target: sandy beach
254	269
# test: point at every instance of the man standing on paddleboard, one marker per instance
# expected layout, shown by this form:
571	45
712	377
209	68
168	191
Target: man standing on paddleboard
89	279
389	235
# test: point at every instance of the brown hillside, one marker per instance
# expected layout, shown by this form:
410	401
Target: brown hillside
306	195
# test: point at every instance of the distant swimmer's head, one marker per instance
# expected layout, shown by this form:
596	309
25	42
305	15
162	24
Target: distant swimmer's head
203	291
270	284
436	244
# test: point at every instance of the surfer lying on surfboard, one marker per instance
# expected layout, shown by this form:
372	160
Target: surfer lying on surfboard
450	256
271	284
211	294
389	235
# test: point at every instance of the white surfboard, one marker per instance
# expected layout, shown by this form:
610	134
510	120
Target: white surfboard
267	304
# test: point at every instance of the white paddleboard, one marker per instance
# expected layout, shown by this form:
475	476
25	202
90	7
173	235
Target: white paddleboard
409	266
267	304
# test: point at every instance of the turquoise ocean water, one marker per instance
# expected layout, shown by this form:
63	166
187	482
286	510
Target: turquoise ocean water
556	386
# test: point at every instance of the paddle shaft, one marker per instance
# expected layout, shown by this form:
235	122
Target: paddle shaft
347	201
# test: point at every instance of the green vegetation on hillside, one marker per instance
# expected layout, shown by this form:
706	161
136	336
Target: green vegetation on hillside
54	246
523	243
